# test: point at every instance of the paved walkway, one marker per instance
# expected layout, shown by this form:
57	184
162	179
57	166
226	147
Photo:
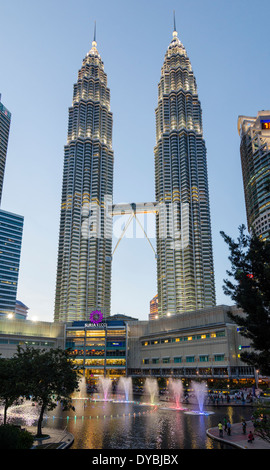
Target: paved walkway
237	438
58	439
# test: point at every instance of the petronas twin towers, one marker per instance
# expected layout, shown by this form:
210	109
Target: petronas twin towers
83	281
185	277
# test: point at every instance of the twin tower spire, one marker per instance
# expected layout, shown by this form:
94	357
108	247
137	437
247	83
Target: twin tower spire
185	277
94	42
174	25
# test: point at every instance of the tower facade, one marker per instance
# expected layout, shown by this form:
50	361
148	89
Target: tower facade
83	282
255	160
185	274
11	230
5	118
153	308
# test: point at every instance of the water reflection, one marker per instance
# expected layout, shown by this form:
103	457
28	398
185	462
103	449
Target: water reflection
114	425
125	426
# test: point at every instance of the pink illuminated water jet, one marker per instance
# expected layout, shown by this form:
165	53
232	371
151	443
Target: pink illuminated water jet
176	388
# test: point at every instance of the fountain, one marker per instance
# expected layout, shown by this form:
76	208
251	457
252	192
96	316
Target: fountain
25	412
125	387
200	390
151	389
176	387
104	387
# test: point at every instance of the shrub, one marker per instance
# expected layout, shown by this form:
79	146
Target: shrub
12	437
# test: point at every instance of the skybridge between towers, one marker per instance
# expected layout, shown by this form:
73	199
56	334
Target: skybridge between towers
133	209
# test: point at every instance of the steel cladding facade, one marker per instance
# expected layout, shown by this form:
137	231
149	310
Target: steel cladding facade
84	257
184	244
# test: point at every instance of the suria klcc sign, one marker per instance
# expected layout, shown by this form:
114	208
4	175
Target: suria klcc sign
96	318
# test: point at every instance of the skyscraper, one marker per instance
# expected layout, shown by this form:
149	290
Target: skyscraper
5	118
184	242
255	160
83	283
11	229
153	308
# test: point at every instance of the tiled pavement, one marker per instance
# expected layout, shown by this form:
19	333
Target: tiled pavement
237	438
58	439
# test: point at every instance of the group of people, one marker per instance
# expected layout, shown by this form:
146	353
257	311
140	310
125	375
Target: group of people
227	428
250	434
216	398
243	397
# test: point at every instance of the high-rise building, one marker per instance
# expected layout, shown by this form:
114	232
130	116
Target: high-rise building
5	118
184	243
255	160
153	308
21	310
83	283
11	229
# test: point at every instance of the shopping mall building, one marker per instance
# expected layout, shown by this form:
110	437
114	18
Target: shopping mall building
203	343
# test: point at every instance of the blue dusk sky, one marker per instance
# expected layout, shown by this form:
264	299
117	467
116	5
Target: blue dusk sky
41	50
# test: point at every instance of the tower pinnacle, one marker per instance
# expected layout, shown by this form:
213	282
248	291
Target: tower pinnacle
93	51
174	25
94	42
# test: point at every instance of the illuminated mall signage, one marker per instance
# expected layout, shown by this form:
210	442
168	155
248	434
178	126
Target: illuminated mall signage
265	124
96	317
95	325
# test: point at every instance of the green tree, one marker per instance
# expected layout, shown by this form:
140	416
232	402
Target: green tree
250	289
261	421
10	386
49	377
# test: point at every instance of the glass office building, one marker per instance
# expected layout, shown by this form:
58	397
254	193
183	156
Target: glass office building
11	229
255	160
83	281
5	118
185	273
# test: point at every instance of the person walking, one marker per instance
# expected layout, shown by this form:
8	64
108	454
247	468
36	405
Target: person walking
229	428
250	437
220	428
225	423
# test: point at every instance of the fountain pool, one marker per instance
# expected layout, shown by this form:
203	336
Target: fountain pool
147	422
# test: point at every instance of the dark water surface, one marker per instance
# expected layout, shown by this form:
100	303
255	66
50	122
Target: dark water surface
110	425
